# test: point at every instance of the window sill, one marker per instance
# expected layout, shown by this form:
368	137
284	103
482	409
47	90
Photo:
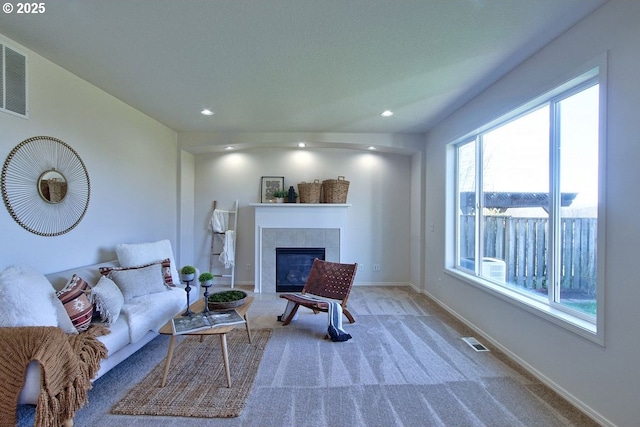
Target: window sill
571	323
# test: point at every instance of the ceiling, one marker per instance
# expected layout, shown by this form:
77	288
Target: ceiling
294	65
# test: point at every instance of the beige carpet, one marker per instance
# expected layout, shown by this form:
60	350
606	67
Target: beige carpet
405	366
196	383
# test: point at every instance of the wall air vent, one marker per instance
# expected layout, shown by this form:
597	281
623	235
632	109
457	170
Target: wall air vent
13	81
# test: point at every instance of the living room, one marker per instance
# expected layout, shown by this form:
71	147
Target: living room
150	181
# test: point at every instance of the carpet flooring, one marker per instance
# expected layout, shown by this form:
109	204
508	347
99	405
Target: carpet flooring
405	366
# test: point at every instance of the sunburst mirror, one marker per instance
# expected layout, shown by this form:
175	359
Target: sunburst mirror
45	186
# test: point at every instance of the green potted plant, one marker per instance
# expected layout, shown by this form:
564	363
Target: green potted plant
205	279
187	273
280	195
226	299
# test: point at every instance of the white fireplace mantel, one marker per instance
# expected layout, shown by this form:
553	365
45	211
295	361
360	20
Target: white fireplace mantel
308	216
300	215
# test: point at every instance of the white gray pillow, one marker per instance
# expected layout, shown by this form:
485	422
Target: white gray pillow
134	254
108	300
137	282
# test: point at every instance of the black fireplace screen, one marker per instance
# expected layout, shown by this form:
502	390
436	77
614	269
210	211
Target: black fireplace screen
293	265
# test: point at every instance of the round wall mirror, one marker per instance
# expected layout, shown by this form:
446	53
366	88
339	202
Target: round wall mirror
45	186
52	186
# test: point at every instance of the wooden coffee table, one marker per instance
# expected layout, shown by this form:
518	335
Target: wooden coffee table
197	307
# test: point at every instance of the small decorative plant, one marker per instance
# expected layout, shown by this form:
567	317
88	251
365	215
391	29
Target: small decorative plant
280	195
206	280
188	269
205	277
187	273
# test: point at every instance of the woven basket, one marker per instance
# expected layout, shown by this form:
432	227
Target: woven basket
310	192
335	190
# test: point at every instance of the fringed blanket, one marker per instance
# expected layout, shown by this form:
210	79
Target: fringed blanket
335	331
67	365
333	308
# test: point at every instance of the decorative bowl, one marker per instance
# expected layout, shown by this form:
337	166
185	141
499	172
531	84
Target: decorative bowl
226	299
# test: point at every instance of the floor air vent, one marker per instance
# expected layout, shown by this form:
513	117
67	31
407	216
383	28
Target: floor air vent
475	344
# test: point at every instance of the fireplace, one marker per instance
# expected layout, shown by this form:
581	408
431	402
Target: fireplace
295	225
293	265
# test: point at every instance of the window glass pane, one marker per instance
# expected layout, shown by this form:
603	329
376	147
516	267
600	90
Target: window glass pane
515	187
467	213
579	176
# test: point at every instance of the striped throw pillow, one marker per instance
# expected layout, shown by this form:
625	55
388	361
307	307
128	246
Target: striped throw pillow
74	297
166	270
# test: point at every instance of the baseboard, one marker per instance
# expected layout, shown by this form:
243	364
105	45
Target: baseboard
251	284
381	284
526	366
245	283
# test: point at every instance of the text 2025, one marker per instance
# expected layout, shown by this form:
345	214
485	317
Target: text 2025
30	8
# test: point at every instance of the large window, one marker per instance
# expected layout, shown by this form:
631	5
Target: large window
527	201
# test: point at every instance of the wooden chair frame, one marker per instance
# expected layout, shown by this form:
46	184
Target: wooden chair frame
332	280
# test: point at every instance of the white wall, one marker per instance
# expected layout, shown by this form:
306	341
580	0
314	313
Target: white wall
418	225
378	229
131	160
187	186
603	379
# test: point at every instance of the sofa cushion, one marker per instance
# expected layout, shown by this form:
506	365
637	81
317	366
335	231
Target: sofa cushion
75	298
132	254
26	298
138	282
117	338
108	300
153	311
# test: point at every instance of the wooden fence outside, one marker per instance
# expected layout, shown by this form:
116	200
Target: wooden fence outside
523	244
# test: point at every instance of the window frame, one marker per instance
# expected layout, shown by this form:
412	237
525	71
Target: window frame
561	315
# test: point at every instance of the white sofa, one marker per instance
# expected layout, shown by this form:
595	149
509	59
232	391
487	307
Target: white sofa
138	321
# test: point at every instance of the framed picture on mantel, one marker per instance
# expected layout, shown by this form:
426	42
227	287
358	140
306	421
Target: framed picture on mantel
269	185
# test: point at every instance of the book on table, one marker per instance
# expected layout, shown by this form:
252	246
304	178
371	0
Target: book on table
200	321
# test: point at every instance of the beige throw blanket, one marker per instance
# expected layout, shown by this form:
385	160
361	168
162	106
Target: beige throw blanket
67	364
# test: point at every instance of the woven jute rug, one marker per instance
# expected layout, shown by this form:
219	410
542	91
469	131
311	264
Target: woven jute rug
196	384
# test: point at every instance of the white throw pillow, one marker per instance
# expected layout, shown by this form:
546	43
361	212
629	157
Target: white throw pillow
108	300
26	298
136	282
133	254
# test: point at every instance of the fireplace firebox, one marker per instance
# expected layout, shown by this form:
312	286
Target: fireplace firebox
293	266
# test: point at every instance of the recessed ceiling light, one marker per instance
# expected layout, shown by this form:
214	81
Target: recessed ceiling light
302	144
228	147
206	112
371	147
387	113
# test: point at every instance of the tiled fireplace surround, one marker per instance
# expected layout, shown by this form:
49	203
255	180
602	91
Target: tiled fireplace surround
295	226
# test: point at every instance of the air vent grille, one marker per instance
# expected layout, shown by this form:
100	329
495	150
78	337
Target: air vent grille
13	81
475	344
1	76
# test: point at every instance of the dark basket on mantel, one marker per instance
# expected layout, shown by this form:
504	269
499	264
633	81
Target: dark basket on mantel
310	192
335	190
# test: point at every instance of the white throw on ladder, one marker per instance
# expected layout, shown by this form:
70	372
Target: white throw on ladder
223	225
